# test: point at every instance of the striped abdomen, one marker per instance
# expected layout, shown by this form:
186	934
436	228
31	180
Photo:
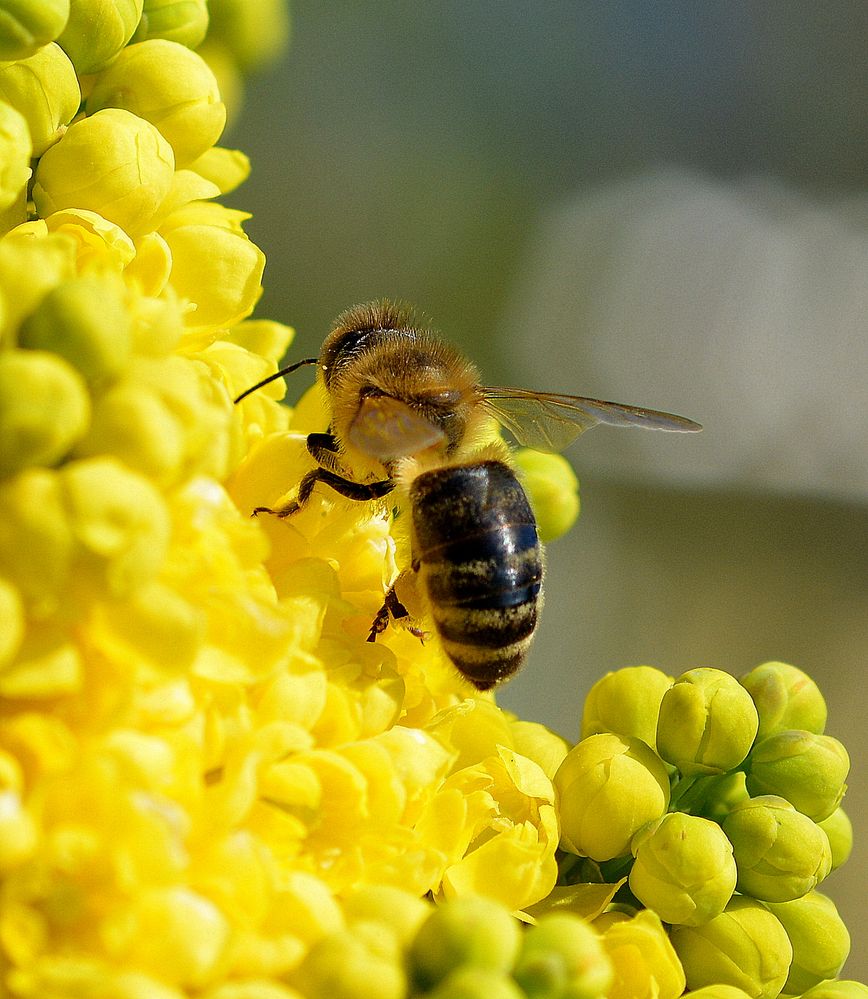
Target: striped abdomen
475	539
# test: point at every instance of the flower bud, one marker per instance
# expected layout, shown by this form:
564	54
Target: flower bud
546	748
707	722
132	422
745	946
344	964
171	87
468	930
785	698
36	541
553	491
562	957
15	152
26	26
402	912
44	89
646	965
808	770
684	869
84	321
476	983
44	409
608	787
819	937
113	163
97	30
182	21
781	854
839	829
120	521
626	702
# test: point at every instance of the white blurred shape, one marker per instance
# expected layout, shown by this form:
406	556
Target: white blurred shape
743	306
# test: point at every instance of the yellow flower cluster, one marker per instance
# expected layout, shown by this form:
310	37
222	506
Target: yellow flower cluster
200	754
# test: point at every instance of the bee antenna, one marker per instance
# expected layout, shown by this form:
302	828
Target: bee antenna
275	376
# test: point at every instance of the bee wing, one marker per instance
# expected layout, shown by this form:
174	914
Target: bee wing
387	428
548	421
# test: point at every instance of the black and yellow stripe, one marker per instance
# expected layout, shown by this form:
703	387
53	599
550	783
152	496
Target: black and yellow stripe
475	538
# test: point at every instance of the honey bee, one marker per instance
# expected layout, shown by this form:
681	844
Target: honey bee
408	410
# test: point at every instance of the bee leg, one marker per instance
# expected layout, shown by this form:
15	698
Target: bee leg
392	608
361	491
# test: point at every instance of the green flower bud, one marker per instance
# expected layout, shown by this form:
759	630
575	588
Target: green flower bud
15	152
562	957
608	787
707	722
44	409
171	87
120	522
808	770
785	698
476	983
819	937
113	163
84	321
837	989
97	30
26	26
626	702
745	946
781	854
343	966
839	829
181	21
468	930
44	89
684	869
553	491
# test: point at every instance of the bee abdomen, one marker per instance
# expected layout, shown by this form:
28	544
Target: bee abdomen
476	540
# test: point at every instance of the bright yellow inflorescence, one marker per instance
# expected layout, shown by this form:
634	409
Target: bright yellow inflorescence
211	784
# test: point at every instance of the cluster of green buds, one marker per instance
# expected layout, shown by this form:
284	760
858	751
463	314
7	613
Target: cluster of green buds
396	946
716	803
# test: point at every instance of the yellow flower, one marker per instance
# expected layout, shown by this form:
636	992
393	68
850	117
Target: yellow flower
169	86
644	962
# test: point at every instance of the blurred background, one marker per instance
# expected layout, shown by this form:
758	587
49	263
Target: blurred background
662	203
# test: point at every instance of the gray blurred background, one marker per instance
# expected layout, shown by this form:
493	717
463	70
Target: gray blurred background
662	203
